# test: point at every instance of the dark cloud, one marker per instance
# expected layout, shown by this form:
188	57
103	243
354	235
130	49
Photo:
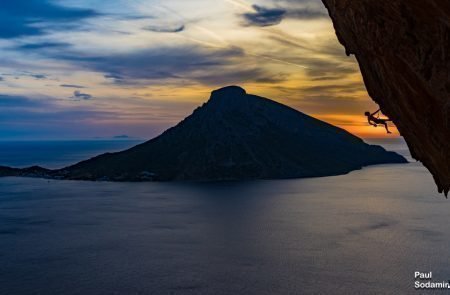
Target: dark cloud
165	29
30	17
39	76
79	95
206	66
1	79
188	64
42	45
71	86
264	17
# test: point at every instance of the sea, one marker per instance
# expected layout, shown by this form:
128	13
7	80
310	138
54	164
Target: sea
367	232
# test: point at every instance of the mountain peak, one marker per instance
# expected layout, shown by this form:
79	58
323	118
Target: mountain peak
228	91
229	97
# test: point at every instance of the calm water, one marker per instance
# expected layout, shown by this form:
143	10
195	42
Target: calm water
361	233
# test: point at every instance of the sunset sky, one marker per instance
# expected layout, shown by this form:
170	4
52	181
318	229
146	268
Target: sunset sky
77	69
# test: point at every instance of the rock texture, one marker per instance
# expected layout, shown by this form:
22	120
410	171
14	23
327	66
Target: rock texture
403	49
233	136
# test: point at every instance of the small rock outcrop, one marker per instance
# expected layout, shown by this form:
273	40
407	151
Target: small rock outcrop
234	136
403	49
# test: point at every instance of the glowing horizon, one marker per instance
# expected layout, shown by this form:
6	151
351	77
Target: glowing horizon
86	68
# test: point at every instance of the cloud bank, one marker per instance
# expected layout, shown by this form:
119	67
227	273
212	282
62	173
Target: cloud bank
20	18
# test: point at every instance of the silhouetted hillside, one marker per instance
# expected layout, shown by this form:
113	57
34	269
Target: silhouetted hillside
237	136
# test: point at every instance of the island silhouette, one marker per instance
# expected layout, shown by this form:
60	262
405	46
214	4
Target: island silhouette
233	136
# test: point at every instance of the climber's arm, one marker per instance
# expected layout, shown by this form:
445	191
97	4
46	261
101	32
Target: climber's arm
374	113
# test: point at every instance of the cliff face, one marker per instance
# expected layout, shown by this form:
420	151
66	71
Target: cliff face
403	50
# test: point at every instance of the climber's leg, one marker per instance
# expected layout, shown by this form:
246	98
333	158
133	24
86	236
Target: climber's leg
386	126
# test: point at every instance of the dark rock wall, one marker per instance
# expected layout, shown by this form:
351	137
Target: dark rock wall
403	50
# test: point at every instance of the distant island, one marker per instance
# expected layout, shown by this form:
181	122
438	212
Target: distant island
123	136
117	137
233	136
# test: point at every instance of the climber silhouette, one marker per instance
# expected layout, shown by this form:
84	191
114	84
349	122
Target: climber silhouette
375	121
